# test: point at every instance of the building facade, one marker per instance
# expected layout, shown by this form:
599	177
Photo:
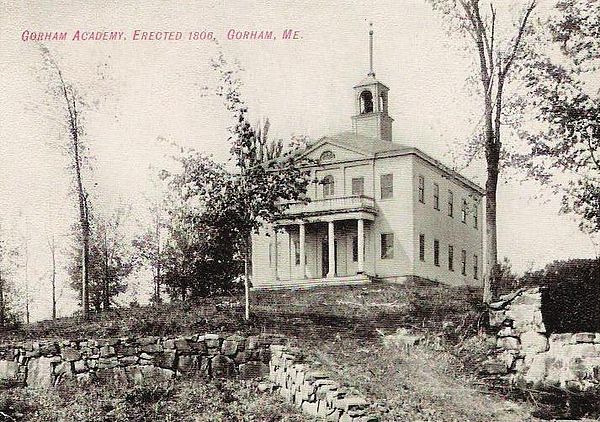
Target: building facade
378	211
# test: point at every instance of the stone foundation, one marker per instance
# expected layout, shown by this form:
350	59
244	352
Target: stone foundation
528	355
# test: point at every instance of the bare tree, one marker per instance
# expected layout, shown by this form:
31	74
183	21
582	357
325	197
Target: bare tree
52	247
495	64
72	105
8	266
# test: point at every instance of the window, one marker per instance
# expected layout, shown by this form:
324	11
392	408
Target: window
387	186
387	245
383	102
297	251
463	262
328	185
436	252
421	189
475	267
436	196
422	247
355	249
358	186
475	217
450	204
463	211
450	257
327	155
366	102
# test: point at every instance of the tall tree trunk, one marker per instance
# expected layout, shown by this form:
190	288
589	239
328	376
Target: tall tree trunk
106	295
2	304
26	283
158	260
53	253
247	257
490	278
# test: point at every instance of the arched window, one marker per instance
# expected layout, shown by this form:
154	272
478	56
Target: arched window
383	102
366	102
327	155
328	186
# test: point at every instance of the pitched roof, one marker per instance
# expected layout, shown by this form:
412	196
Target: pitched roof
364	144
375	147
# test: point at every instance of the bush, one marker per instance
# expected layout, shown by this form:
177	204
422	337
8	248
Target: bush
571	307
571	271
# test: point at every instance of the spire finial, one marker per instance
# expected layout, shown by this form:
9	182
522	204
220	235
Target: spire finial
371	72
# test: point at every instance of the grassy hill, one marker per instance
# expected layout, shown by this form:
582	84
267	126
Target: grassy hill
342	330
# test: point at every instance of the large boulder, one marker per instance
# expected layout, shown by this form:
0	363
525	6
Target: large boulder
39	372
8	370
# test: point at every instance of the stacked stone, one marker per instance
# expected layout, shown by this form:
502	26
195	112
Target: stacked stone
528	355
314	391
136	360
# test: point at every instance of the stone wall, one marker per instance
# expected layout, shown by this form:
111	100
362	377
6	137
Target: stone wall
142	360
136	360
529	355
314	391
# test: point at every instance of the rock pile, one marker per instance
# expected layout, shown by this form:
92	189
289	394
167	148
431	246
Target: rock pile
529	355
314	391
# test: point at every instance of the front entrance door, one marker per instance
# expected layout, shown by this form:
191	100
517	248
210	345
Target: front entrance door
325	257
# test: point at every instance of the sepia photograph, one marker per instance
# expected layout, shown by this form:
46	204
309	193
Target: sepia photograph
357	211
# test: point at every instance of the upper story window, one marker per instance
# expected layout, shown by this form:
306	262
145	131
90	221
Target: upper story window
436	196
422	247
436	252
450	204
326	156
475	267
328	186
358	186
450	257
463	262
463	211
475	216
387	186
366	102
421	189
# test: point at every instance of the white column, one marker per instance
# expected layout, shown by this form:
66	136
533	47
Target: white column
331	249
361	245
275	248
302	240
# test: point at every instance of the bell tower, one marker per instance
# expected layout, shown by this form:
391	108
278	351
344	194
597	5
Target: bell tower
371	104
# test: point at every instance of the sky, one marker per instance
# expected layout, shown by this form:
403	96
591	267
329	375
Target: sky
140	91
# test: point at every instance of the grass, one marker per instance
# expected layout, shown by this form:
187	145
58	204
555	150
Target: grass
185	400
340	328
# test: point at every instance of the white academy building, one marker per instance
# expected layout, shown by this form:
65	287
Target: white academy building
382	211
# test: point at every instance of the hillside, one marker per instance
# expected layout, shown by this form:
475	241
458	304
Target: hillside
342	329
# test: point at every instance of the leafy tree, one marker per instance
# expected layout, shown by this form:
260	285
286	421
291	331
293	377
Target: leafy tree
71	104
110	262
230	206
564	96
569	271
149	246
8	265
476	21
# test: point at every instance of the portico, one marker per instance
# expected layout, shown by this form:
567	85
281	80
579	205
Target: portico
325	245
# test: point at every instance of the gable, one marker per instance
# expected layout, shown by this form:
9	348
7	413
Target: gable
326	152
